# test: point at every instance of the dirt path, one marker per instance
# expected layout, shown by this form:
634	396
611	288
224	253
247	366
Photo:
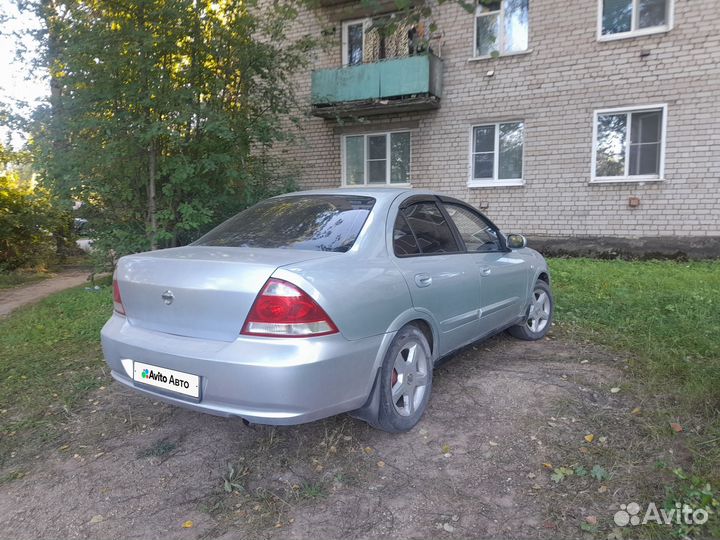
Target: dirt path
477	465
11	299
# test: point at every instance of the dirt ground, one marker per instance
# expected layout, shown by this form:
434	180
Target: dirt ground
503	415
11	299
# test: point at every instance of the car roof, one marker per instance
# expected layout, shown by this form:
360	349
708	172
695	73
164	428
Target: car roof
380	193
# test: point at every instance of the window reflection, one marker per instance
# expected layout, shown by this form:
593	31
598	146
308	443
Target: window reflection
316	223
610	159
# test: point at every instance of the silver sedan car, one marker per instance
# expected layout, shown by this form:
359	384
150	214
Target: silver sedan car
317	303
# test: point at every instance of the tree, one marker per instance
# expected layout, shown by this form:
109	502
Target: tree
161	111
33	230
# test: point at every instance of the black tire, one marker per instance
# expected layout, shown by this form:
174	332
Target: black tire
525	330
396	418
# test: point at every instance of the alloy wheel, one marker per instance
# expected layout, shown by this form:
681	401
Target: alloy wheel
539	311
409	378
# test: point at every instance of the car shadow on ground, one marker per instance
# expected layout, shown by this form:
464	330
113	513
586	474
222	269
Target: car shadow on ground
502	416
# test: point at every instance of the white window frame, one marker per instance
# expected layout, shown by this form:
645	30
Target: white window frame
501	33
345	37
626	177
388	165
634	31
494	181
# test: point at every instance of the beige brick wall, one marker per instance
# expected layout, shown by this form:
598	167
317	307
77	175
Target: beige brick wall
555	88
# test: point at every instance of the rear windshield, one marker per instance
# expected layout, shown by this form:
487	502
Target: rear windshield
312	222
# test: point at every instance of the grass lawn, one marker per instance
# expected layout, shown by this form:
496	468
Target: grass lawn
667	315
49	360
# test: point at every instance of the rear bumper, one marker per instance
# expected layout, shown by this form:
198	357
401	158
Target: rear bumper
263	380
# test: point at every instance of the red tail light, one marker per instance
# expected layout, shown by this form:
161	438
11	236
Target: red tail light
117	300
283	310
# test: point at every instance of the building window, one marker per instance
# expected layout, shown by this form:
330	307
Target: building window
629	144
496	156
353	42
501	27
381	38
627	18
378	158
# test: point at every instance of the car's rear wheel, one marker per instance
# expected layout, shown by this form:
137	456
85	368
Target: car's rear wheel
405	381
539	317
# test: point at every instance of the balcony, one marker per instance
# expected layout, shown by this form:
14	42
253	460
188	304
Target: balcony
412	83
378	6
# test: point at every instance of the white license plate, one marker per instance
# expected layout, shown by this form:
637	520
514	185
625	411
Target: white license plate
167	379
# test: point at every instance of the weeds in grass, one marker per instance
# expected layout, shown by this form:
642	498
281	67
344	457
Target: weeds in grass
276	474
159	449
695	493
268	442
313	490
598	472
232	481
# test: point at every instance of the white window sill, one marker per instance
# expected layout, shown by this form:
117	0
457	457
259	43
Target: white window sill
634	33
371	186
501	55
514	182
625	179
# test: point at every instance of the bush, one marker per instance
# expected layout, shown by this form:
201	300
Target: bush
33	231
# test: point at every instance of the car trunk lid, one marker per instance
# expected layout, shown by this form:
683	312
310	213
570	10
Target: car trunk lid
199	291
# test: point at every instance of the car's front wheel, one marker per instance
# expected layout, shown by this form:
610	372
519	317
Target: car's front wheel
405	381
539	317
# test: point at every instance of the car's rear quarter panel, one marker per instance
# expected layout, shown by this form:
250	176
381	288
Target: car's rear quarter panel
362	296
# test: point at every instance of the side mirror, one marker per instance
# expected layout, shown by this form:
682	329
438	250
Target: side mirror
516	241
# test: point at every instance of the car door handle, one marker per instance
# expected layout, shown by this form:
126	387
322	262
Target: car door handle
423	280
485	270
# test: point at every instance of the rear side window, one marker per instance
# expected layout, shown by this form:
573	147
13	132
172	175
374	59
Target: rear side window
432	232
477	234
310	222
404	243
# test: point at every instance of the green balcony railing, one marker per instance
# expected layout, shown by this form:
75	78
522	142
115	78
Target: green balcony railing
413	77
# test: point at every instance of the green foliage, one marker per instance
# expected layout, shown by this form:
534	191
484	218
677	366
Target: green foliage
32	227
599	473
163	111
561	473
233	480
695	493
580	471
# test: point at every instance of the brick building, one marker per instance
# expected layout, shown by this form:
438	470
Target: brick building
582	119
